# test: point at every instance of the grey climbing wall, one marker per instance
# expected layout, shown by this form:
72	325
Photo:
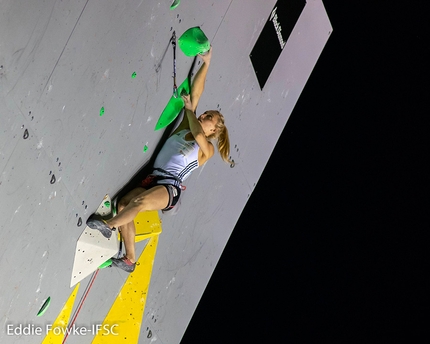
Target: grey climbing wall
74	125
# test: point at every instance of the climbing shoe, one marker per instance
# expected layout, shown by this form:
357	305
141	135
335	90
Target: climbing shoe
123	263
96	222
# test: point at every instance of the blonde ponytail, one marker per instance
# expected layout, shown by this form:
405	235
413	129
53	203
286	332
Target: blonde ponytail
224	145
221	135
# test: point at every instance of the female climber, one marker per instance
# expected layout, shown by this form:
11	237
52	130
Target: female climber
186	149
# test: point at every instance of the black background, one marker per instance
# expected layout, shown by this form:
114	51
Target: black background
334	249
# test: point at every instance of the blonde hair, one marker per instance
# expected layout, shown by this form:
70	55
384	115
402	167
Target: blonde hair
221	135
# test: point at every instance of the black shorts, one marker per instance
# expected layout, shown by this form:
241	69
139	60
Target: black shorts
173	189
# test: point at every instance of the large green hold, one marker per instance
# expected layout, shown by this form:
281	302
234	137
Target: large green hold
173	107
194	42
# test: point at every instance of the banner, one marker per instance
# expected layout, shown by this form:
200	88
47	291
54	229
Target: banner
274	36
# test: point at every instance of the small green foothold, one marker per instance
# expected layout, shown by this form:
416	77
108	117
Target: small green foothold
133	75
102	111
175	4
107	204
106	264
44	307
145	148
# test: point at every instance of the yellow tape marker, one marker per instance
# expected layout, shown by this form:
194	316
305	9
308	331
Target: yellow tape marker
59	327
122	323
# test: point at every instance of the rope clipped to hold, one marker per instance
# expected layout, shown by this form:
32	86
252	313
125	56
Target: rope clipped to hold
175	88
159	64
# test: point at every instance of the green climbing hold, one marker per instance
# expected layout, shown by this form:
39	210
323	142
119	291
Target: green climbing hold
44	307
106	264
145	148
194	42
175	4
133	75
102	111
173	107
107	204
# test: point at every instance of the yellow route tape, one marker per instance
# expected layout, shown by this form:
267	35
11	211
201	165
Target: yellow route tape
125	317
59	327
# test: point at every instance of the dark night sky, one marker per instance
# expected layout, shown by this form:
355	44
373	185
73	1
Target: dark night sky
339	255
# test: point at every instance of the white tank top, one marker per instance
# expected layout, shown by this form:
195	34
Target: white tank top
178	156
